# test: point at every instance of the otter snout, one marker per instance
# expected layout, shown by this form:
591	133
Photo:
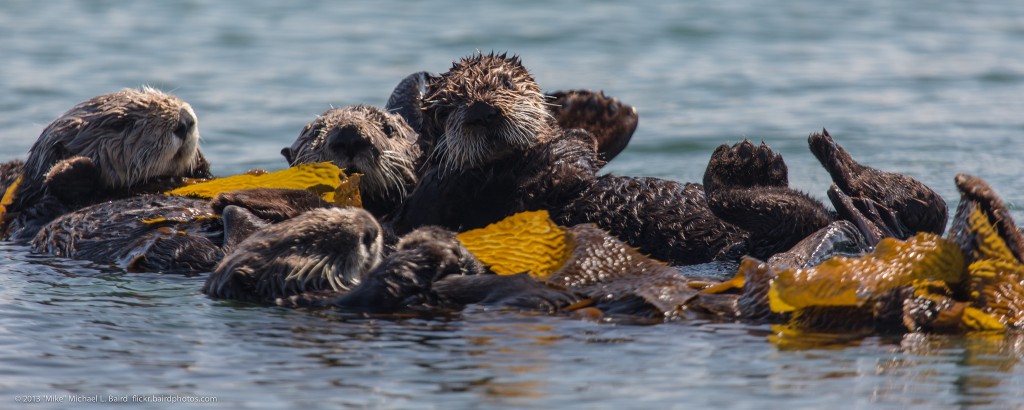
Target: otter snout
348	142
481	114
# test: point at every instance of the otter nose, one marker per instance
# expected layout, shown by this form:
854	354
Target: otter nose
348	141
481	113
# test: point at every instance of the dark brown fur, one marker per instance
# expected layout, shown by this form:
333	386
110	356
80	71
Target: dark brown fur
609	120
916	207
484	174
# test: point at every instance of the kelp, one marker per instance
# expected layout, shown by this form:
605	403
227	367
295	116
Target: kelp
324	178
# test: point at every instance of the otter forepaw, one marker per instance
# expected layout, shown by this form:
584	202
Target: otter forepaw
74	180
610	120
745	165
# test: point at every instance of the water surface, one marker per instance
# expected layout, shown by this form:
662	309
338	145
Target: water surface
929	89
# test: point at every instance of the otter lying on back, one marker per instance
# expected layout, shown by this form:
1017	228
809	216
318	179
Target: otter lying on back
385	146
133	140
497	153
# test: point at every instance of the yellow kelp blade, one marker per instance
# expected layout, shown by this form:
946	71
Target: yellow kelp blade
932	308
347	192
323	178
524	242
8	199
851	282
995	277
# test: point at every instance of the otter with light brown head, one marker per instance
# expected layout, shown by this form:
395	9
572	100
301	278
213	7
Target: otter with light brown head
129	141
366	140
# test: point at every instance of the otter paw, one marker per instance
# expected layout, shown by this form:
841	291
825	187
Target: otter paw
611	121
745	165
74	180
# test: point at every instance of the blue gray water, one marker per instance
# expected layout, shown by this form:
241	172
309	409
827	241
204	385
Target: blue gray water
921	87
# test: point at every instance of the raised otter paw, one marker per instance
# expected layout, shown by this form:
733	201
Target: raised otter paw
611	121
74	181
745	165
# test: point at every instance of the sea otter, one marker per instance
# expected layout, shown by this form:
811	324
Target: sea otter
497	153
366	140
327	249
334	258
131	141
162	233
385	146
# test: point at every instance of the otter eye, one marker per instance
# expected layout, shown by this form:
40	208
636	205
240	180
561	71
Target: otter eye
185	123
388	129
508	84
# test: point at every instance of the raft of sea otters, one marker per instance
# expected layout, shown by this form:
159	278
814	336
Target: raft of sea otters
474	187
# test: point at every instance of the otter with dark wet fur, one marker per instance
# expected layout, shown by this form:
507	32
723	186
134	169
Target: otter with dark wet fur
134	140
333	258
497	152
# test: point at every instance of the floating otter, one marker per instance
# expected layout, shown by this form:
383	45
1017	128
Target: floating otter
333	258
326	249
497	153
385	146
137	140
366	140
164	233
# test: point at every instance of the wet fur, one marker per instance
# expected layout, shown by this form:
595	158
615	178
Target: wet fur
609	120
367	140
459	137
134	137
556	170
321	250
916	207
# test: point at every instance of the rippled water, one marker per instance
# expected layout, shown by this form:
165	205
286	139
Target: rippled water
925	88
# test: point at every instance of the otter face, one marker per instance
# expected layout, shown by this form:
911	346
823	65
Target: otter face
327	249
362	139
484	107
131	135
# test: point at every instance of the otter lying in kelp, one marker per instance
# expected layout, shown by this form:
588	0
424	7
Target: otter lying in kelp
384	144
131	141
186	230
969	281
495	153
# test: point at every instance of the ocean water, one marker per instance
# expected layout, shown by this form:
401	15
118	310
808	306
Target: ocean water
930	89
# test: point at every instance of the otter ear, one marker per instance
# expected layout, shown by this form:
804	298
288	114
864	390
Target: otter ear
287	152
239	224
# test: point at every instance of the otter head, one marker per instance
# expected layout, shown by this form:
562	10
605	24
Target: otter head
326	249
483	108
131	136
366	140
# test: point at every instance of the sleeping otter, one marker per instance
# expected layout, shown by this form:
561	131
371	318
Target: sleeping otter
497	153
327	249
333	258
137	140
